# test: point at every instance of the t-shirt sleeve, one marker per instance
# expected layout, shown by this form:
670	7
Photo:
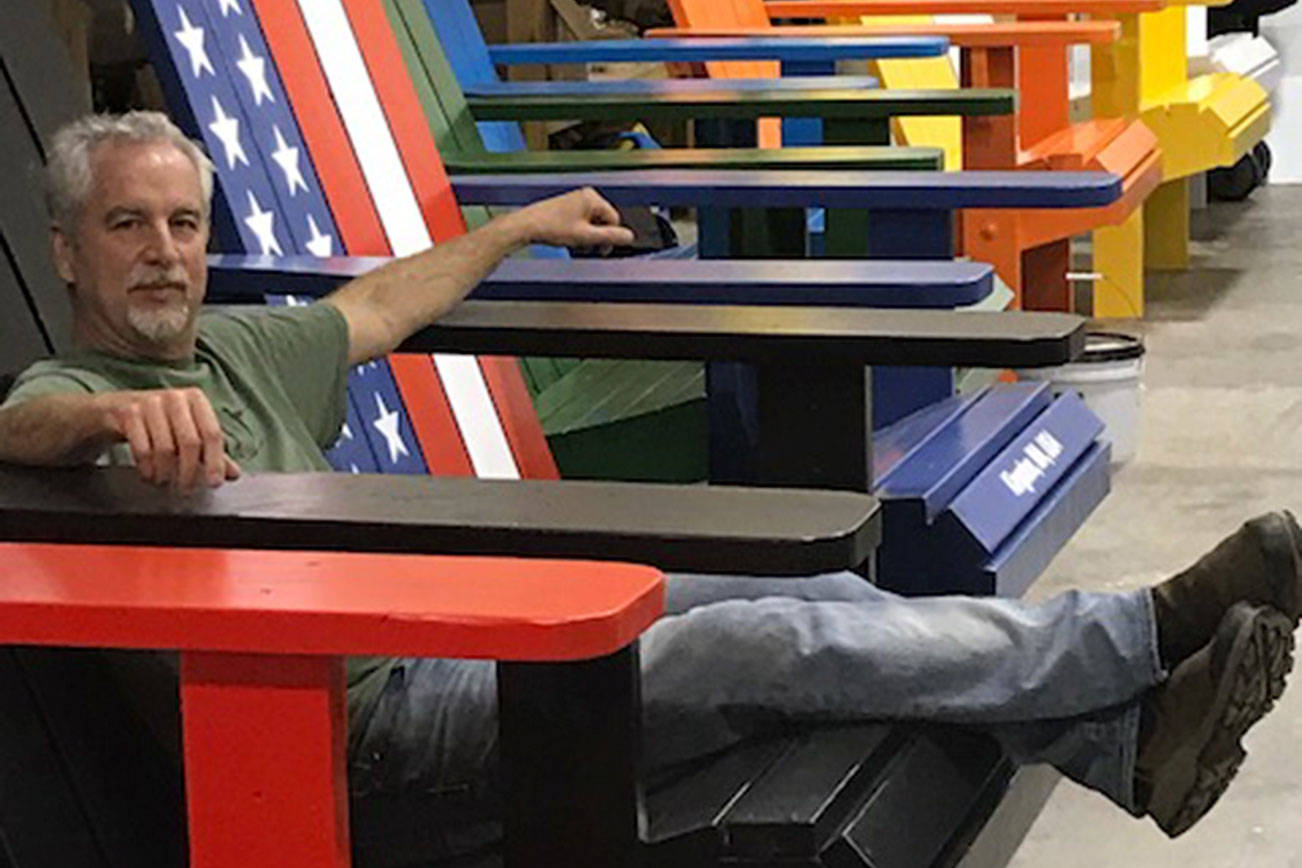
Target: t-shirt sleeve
48	378
39	381
305	349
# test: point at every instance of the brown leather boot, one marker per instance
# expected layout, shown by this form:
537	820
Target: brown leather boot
1195	721
1261	563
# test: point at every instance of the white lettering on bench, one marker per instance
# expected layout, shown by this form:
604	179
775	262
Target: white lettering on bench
1037	457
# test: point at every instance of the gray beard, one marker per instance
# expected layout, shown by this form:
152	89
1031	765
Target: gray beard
160	325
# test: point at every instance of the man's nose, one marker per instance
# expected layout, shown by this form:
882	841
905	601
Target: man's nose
161	247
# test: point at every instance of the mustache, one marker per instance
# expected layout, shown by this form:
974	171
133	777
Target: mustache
154	277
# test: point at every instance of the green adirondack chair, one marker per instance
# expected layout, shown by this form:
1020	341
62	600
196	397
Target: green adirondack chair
603	417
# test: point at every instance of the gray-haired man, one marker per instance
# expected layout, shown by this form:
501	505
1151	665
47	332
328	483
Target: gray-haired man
1143	696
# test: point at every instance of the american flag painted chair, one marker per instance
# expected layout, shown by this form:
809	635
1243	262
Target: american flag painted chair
341	183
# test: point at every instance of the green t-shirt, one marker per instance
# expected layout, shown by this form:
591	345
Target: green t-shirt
277	380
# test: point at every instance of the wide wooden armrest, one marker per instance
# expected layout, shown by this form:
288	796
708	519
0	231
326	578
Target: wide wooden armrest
908	191
997	34
327	603
851	8
808	336
726	102
700	51
842	283
640	87
689	528
822	158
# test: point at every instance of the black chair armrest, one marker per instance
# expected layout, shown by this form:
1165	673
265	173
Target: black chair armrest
691	528
808	336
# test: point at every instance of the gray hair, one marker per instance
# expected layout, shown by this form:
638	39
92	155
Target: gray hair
68	171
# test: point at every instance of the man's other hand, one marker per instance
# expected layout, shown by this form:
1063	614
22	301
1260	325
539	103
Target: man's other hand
174	436
581	218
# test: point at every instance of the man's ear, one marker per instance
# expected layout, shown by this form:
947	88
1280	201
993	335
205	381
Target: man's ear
61	252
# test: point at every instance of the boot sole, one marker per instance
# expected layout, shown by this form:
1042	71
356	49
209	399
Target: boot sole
1258	663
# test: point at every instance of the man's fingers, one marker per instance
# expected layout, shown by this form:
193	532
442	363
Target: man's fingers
132	421
616	236
185	434
600	212
232	469
210	433
162	448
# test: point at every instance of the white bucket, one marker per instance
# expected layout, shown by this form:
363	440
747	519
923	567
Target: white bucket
1107	376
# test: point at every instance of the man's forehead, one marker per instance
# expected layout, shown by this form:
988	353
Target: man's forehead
131	174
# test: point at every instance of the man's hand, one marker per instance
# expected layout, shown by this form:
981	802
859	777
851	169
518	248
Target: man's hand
580	218
174	436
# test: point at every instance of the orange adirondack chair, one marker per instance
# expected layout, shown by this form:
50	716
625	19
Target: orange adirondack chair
1029	249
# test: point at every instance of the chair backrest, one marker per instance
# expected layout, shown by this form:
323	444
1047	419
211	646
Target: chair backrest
364	168
38	97
463	44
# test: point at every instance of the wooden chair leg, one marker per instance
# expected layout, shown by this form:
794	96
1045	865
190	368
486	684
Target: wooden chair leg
1166	226
265	759
1119	258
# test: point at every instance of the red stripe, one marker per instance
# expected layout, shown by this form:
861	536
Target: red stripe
407	119
431	415
322	128
345	188
519	419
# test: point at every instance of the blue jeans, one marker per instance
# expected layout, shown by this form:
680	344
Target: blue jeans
1054	682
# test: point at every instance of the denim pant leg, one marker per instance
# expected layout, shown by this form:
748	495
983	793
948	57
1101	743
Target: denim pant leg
1096	750
722	672
685	591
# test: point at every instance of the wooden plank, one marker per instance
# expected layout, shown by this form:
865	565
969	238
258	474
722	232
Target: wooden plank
839	8
906	191
311	603
265	760
960	35
41	820
825	336
725	102
125	774
701	50
675	527
40	71
654	86
24	223
21	338
848	283
833	157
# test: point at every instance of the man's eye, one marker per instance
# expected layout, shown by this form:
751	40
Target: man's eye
126	223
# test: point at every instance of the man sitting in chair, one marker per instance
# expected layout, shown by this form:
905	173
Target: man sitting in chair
1143	696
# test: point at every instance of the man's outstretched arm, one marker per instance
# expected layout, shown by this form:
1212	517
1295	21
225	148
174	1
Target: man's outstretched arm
387	305
173	434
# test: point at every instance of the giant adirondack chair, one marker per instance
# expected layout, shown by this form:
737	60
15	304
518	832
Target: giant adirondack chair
55	810
1201	122
265	763
1031	250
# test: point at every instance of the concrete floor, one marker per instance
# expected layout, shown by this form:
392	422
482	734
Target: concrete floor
1221	440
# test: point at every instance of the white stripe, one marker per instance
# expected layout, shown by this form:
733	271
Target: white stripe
377	152
350	83
472	405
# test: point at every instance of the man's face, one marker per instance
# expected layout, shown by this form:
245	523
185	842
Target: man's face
136	257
